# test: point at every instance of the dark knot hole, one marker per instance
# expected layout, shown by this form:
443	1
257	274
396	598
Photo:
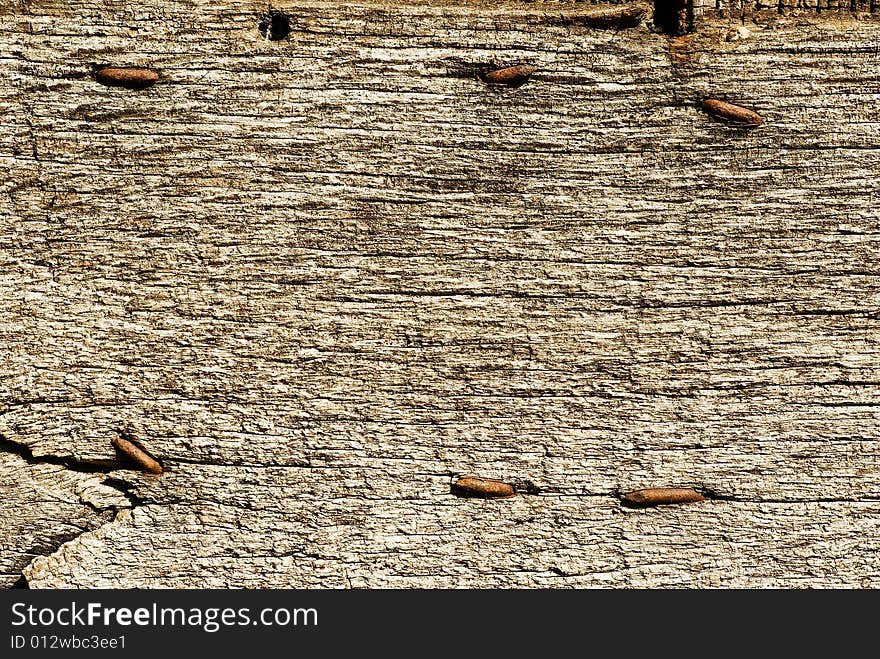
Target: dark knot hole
274	25
674	17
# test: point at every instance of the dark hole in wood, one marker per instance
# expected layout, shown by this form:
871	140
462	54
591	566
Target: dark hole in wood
674	17
274	25
22	582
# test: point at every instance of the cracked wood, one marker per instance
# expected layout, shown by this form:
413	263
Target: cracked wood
325	276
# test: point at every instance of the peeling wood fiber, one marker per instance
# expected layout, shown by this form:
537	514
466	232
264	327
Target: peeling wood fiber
322	276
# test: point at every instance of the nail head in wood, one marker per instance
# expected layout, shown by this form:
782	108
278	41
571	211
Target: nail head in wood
509	76
732	114
483	488
129	77
659	496
137	454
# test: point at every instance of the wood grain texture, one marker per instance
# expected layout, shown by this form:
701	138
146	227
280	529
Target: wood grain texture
321	278
46	505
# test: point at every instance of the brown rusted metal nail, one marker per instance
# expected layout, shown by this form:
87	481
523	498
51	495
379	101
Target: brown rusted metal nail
130	77
510	76
137	454
485	488
618	17
658	496
731	113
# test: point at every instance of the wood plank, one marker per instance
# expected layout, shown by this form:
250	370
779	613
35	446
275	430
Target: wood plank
323	276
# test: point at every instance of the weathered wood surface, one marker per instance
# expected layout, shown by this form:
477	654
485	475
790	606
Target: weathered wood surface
322	277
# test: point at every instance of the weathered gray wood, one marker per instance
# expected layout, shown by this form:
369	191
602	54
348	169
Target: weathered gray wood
46	505
321	277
